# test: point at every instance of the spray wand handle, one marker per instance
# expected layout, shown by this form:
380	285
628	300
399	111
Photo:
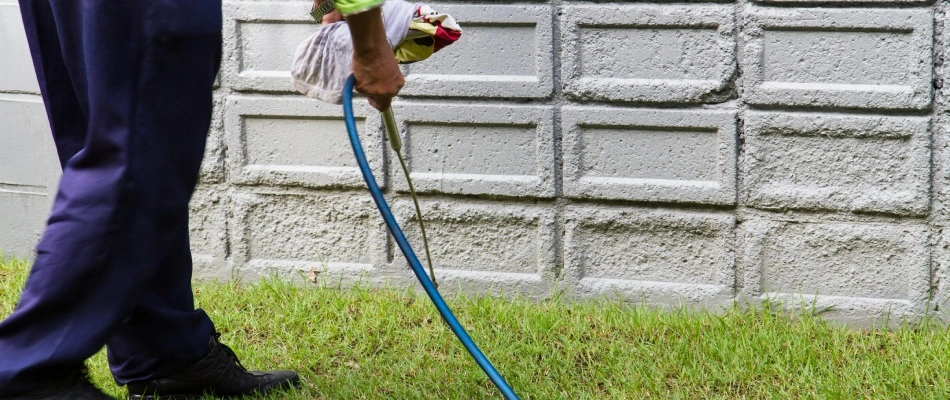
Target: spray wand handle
389	121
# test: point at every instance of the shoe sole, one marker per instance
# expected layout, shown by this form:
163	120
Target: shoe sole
291	383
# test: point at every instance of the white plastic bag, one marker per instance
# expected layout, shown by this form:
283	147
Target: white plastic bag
324	61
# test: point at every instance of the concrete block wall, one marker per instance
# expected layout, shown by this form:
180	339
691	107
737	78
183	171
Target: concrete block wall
671	153
28	165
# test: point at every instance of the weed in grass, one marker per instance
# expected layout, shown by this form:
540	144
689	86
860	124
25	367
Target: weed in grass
365	343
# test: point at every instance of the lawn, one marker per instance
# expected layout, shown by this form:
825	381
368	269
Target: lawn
390	344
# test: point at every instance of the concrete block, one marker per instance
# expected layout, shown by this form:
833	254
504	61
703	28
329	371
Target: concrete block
23	216
17	74
496	248
848	58
659	257
208	222
340	235
505	51
868	164
29	173
467	149
940	156
260	39
855	273
650	155
649	53
213	163
940	284
940	272
298	142
28	155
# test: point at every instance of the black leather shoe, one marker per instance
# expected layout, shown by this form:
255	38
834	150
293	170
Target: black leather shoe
75	386
219	374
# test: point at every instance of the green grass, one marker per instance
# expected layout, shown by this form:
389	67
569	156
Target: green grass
375	344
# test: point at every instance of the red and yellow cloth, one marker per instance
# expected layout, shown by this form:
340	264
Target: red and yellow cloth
429	32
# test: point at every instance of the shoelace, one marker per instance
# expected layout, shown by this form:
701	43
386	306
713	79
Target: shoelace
230	353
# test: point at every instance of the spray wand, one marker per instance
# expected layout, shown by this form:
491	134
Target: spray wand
392	130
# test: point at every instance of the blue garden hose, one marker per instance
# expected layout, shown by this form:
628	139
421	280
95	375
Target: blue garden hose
394	229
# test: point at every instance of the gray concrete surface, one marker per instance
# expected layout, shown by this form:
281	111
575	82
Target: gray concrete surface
669	153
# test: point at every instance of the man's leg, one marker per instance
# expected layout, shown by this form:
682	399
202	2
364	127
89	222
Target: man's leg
150	351
164	333
121	201
148	344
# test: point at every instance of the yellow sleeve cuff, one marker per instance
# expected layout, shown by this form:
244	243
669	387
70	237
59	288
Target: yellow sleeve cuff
347	7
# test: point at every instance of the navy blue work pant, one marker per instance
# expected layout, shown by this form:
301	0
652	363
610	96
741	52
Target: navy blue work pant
128	90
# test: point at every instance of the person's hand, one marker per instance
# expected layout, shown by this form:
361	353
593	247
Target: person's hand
331	17
374	65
